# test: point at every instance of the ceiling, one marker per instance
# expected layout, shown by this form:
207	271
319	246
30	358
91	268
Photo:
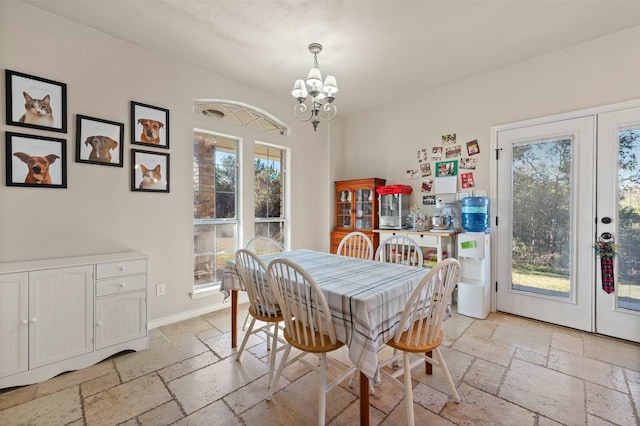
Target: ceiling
379	51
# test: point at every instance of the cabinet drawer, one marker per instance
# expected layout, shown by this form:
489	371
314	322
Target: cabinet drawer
118	269
424	240
121	285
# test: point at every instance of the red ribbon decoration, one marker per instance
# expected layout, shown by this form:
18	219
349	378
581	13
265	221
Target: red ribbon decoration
606	251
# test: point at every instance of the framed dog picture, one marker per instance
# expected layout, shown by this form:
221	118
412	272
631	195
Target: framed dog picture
36	102
149	125
149	171
99	141
36	161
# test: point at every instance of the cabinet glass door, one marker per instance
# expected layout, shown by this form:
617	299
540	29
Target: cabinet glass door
343	206
364	209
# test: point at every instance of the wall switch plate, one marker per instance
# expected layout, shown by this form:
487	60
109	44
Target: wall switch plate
160	289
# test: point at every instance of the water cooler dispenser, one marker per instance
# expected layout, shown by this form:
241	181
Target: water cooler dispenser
474	285
474	254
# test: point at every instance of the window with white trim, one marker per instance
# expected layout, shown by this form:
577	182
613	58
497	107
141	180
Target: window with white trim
215	215
269	189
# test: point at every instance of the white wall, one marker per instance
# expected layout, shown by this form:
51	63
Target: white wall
384	141
98	213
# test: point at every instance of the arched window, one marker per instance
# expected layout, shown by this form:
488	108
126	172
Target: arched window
239	113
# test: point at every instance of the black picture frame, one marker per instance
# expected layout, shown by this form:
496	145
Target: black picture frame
99	141
144	163
149	125
21	87
35	161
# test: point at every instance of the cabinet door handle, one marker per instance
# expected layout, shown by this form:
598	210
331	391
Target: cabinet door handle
122	285
123	268
99	323
24	322
34	320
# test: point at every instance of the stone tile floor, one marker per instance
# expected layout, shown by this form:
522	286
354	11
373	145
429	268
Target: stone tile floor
508	370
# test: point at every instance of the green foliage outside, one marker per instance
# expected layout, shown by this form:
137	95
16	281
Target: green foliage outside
541	214
268	187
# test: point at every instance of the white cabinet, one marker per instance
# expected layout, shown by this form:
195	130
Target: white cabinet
14	326
474	285
121	302
59	315
435	245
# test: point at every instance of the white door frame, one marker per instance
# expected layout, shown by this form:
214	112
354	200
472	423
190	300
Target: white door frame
493	168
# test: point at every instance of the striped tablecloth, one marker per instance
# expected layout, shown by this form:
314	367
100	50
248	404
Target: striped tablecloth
366	298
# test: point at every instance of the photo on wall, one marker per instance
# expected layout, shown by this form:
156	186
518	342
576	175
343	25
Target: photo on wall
466	180
35	102
35	161
473	148
447	168
468	163
149	125
453	151
448	139
149	171
436	153
99	141
425	169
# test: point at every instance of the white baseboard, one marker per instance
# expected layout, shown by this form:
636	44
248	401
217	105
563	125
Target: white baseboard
195	312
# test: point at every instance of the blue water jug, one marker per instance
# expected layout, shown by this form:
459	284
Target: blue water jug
475	214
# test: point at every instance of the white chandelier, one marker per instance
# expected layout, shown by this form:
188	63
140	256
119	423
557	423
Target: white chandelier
322	108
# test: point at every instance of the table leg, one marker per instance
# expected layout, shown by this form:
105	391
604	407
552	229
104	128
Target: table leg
234	318
364	400
428	367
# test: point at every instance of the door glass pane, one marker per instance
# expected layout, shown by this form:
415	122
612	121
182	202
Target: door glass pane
628	257
541	211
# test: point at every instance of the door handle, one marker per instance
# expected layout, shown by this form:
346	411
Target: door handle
605	237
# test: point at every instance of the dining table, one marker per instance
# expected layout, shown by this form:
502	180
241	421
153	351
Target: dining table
366	299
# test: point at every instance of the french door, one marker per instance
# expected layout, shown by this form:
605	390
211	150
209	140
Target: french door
618	214
545	226
560	185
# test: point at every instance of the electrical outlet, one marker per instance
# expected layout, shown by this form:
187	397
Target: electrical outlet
160	289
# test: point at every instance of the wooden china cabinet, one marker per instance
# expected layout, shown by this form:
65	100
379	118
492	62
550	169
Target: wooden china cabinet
356	209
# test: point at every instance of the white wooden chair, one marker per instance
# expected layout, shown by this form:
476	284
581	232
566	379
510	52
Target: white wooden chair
420	328
262	304
356	244
260	246
307	326
399	249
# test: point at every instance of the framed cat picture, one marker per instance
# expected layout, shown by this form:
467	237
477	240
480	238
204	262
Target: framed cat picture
149	125
35	102
149	171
